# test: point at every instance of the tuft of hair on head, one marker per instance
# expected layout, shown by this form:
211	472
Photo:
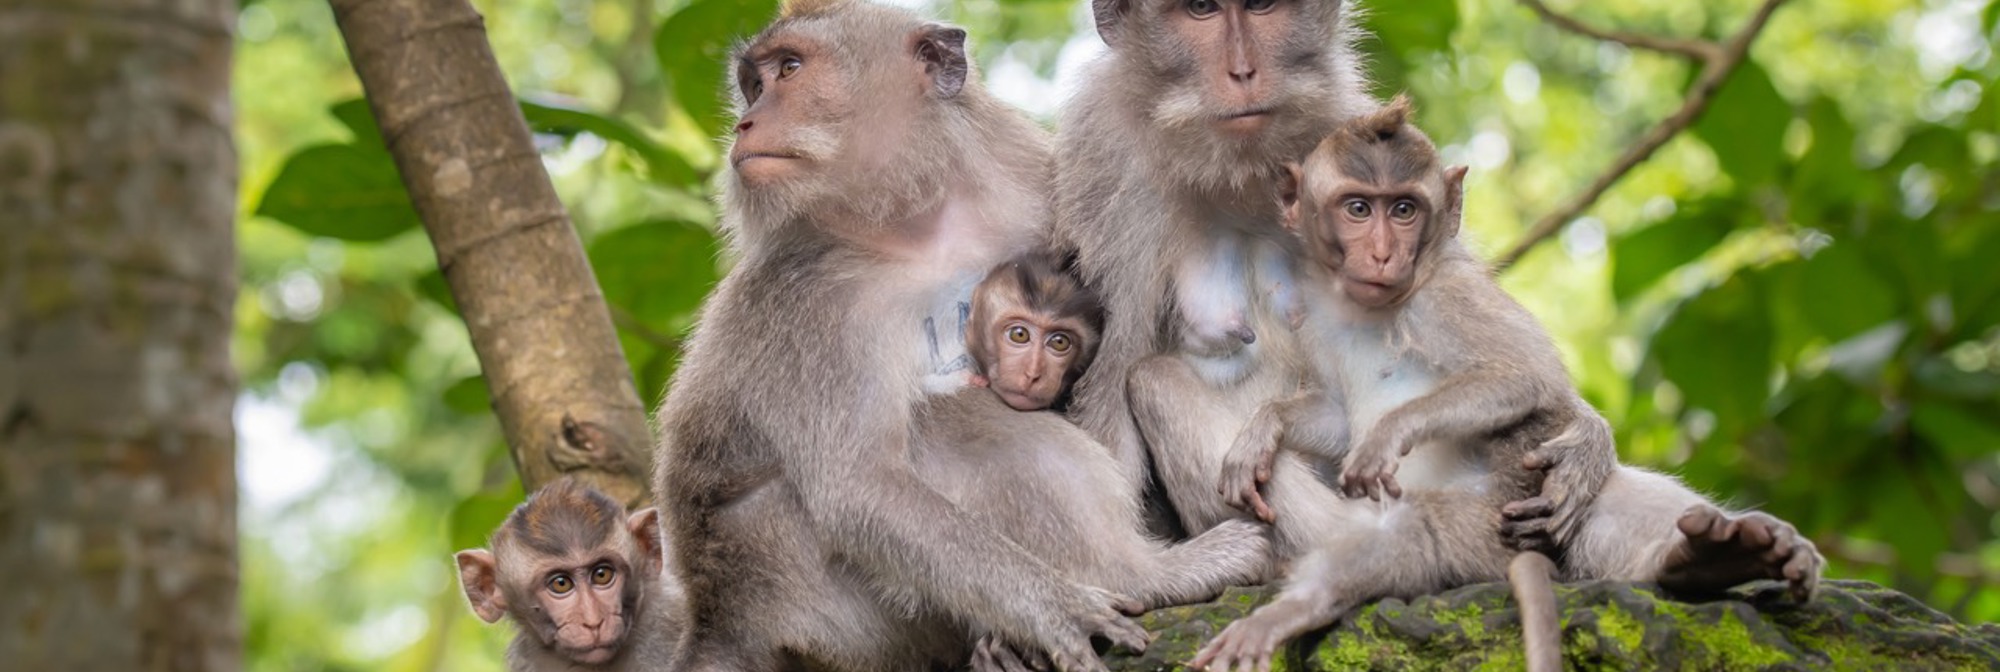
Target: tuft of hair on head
799	8
562	516
1383	125
1049	284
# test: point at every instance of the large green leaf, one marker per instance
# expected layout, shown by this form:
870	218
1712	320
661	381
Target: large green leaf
350	192
1853	298
469	396
1717	349
1642	257
1827	178
693	49
355	115
663	165
1403	35
657	271
1745	125
475	518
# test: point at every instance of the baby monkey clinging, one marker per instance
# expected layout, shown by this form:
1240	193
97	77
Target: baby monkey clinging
1033	331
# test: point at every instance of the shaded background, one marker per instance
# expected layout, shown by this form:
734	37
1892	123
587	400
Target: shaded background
1794	305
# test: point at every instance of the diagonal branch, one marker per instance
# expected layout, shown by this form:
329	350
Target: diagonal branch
1718	62
1698	50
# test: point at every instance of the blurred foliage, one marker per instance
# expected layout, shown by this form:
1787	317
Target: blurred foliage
1793	306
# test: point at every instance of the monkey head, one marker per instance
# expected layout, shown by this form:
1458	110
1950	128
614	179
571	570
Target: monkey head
1372	202
571	568
1033	330
846	108
1236	80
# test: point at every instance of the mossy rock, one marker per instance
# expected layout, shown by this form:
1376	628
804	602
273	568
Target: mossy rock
1851	625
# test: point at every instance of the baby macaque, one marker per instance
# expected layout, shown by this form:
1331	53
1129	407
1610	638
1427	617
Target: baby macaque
1453	397
1033	330
584	583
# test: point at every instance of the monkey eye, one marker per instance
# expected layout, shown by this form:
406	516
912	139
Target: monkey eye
1357	208
560	584
790	65
1203	8
1403	210
1059	342
1018	334
1259	5
601	576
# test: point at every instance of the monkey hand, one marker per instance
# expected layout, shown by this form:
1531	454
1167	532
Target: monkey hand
1574	466
1097	613
991	654
1370	471
1247	468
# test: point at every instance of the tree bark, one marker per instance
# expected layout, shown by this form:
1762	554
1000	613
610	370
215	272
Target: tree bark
538	321
117	290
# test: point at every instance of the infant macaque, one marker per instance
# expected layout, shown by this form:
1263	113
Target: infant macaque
1033	329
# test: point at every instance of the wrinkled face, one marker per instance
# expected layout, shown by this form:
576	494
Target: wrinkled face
584	597
1237	44
1034	355
572	577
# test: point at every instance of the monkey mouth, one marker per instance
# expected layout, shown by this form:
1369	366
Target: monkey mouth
1247	121
743	157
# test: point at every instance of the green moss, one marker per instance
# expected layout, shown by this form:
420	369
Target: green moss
1728	643
1470	620
1623	628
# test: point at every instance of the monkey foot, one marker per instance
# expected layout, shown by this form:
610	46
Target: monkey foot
1250	643
1720	551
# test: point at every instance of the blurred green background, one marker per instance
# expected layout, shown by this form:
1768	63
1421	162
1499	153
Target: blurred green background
1794	305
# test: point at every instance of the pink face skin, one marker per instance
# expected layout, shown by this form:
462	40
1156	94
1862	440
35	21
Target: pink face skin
584	602
1237	36
1371	236
1032	358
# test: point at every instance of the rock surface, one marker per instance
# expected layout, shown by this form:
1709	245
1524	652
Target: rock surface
1851	625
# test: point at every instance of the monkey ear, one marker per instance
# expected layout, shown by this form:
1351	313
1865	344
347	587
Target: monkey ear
1288	195
1454	199
480	577
1110	16
941	48
645	527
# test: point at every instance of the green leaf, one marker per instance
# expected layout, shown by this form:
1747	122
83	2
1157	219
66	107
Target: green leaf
1854	299
433	286
1828	178
1399	37
475	518
663	165
469	396
354	114
657	271
1745	125
1642	257
1717	349
693	50
348	192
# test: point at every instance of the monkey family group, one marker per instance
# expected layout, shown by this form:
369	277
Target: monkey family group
975	394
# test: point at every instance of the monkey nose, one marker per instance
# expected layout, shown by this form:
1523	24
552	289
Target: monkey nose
1242	74
743	125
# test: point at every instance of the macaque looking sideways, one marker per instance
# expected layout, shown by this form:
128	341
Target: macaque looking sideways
1451	394
1033	331
583	581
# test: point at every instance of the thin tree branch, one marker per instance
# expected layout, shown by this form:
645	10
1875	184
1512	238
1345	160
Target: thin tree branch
1722	60
1698	50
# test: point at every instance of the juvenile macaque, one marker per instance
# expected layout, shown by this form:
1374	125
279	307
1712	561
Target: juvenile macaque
871	183
583	582
1449	390
1033	331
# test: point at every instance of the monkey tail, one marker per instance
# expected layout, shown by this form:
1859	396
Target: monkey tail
1541	628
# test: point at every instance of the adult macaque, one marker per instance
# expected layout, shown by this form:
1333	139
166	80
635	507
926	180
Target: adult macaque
582	581
1033	331
872	182
1447	385
1169	152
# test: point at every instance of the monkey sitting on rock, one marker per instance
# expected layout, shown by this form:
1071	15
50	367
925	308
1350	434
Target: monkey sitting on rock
583	581
1451	394
1034	329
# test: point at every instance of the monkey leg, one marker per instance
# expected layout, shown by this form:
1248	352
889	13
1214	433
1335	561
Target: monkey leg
1233	553
1188	426
1648	527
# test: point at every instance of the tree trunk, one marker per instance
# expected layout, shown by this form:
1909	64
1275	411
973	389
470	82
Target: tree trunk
538	320
117	289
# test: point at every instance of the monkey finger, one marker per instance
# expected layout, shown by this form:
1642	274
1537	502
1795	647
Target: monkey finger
1125	633
1390	486
1537	460
1261	509
1528	509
